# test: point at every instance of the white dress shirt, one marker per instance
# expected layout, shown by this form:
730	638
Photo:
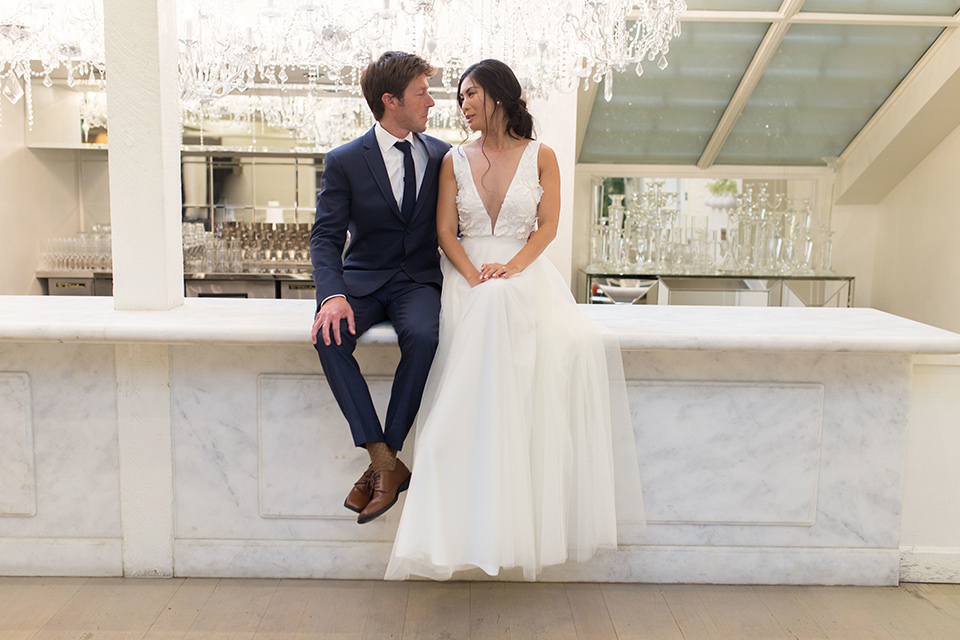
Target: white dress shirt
393	159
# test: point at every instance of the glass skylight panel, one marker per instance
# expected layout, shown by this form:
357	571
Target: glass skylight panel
821	88
667	116
890	7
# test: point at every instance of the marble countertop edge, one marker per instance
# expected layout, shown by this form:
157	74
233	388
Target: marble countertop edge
287	322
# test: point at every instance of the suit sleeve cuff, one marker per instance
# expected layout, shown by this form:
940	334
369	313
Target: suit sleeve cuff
336	295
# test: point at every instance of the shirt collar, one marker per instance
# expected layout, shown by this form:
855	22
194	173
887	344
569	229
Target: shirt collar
386	140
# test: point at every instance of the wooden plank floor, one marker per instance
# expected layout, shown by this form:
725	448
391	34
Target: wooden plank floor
200	609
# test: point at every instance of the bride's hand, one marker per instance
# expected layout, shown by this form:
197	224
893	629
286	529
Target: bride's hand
508	270
497	270
491	270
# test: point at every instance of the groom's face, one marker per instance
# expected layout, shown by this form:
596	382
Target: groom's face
414	107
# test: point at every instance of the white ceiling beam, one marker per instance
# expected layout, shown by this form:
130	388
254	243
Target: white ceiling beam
876	20
751	77
809	17
917	116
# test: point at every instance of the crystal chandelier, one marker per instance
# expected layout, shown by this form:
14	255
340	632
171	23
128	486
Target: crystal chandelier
552	45
312	47
39	37
315	123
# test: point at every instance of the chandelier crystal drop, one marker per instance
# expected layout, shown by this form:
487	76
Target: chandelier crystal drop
551	44
280	47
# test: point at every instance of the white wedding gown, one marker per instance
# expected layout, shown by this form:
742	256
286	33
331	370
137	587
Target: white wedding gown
524	408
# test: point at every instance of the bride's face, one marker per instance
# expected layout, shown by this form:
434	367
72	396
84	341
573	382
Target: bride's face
476	107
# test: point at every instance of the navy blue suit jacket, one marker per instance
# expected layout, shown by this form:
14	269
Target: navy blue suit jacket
355	194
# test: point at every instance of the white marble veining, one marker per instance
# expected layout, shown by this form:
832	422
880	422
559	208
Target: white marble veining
749	454
225	321
73	408
862	442
629	563
145	448
18	483
303	456
772	441
278	559
799	484
734	565
217	447
60	556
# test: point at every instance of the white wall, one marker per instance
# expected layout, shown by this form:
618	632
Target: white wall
553	120
916	274
38	198
854	247
918	259
930	520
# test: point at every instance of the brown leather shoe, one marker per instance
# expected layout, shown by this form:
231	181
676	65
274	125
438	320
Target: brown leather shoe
361	493
387	486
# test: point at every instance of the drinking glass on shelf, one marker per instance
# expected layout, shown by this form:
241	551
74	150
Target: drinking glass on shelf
234	254
45	253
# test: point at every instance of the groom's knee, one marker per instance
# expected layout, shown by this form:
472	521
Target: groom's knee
418	339
348	343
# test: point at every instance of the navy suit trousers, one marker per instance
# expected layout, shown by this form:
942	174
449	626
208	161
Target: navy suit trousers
414	310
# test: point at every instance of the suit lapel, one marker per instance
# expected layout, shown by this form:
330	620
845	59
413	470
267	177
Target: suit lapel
430	177
374	159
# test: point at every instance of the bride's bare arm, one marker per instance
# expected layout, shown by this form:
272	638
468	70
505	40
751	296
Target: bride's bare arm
447	223
548	214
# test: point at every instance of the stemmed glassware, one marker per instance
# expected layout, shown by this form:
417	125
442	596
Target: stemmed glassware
82	252
239	248
767	234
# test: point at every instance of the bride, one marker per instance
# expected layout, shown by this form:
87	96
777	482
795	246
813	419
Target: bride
525	402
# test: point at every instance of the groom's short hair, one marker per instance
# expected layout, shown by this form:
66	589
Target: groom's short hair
391	74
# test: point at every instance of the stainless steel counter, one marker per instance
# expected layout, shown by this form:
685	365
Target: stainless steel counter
196	285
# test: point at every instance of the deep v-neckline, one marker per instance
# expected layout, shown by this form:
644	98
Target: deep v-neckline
476	190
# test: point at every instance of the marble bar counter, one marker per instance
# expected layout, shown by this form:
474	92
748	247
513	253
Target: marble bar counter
203	441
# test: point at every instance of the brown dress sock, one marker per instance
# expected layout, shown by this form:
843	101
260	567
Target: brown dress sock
382	457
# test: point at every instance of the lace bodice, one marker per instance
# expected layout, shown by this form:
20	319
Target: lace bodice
518	215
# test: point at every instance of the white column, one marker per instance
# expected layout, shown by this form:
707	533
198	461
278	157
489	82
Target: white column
146	459
556	126
144	126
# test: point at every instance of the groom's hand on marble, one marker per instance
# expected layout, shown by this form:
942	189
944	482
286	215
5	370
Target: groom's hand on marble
328	320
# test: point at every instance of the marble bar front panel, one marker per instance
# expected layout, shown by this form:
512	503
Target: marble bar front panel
757	467
771	444
18	483
59	469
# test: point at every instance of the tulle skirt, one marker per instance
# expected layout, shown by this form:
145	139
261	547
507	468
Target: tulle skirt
524	448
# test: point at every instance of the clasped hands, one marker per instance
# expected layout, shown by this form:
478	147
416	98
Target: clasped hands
496	270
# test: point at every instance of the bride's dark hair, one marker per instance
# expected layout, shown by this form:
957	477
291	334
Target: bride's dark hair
501	85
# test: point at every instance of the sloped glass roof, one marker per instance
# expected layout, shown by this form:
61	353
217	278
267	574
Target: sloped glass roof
821	87
804	90
667	117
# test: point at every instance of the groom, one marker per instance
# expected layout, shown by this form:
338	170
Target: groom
382	188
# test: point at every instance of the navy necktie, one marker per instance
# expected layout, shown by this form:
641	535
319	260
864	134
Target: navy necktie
409	180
